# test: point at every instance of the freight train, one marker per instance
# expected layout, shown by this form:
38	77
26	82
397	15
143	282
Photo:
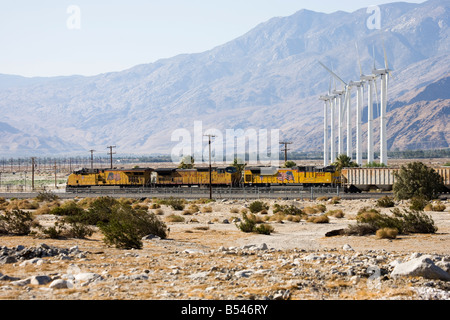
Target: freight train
354	180
220	177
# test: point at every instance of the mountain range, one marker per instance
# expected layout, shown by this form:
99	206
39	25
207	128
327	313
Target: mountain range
269	78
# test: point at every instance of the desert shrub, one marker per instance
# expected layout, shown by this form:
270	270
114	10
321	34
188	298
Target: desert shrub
320	207
257	206
79	230
319	219
287	210
176	204
387	233
247	225
336	213
16	222
174	218
206	209
335	200
69	208
360	229
46	196
52	232
417	222
100	210
155	206
385	202
293	218
264	229
127	226
324	198
417	180
418	203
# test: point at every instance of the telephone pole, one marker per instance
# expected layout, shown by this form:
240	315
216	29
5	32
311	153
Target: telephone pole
111	154
32	173
285	149
210	173
92	159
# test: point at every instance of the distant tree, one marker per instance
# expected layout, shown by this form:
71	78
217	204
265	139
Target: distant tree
290	164
416	180
374	164
240	167
344	161
187	163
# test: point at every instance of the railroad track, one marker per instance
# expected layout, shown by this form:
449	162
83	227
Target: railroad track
217	193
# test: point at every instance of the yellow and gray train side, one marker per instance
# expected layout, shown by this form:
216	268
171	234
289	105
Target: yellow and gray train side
103	179
307	176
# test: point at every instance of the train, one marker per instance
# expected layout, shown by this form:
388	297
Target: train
351	180
104	179
227	176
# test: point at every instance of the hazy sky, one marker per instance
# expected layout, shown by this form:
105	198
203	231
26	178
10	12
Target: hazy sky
60	37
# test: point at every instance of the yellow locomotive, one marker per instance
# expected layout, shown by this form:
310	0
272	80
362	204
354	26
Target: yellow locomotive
220	176
296	176
103	179
112	178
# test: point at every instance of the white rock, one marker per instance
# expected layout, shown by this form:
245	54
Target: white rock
87	277
347	247
61	284
422	266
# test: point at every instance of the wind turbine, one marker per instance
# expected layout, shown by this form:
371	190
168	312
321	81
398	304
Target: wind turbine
383	73
339	102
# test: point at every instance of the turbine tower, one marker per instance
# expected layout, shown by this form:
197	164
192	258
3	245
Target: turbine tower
383	73
326	157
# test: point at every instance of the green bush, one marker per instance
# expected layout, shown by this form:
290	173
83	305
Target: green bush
257	206
126	226
67	209
287	210
264	229
16	222
247	225
251	225
418	203
417	180
405	222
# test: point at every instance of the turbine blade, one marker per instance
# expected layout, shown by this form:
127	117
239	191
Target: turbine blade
359	59
333	74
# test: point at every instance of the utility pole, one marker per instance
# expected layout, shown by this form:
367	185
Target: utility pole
32	173
56	184
210	173
92	159
285	149
111	154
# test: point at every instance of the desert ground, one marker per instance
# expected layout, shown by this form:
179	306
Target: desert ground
207	257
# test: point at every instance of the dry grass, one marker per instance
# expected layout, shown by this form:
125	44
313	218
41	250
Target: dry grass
318	219
387	233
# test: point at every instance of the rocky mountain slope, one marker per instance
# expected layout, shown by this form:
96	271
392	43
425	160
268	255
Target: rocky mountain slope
269	78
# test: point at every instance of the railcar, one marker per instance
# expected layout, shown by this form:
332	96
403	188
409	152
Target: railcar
356	180
220	176
297	176
109	178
